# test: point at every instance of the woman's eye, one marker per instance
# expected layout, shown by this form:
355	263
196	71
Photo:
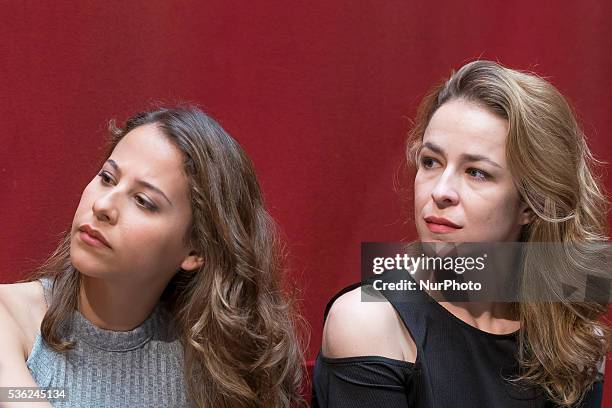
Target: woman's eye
105	177
427	162
146	204
478	175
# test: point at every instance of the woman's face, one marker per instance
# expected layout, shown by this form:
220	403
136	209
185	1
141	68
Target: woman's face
139	202
463	178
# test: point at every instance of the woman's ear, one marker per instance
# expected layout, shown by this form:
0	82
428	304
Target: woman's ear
192	262
526	215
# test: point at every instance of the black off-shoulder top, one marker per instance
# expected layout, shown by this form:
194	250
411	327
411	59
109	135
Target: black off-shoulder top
457	366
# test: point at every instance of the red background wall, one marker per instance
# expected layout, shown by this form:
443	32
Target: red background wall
320	95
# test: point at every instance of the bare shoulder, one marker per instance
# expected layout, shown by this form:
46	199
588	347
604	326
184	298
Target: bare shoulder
24	304
359	325
13	341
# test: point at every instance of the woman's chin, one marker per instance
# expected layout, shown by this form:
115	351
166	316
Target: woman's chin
428	237
87	266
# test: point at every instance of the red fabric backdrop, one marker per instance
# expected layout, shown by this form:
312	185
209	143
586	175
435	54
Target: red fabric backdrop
319	93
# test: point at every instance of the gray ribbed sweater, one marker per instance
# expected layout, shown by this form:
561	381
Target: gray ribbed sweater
142	367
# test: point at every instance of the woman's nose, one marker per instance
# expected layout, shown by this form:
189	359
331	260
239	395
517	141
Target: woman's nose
445	192
104	208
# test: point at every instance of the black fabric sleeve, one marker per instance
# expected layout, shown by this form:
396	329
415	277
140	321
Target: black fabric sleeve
593	397
361	382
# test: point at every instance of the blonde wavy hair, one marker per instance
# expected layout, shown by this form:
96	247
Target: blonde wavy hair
238	326
561	342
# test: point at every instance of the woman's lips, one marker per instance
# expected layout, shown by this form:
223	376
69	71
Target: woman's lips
440	228
93	241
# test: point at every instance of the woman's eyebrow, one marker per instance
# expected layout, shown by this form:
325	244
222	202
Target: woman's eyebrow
143	183
464	156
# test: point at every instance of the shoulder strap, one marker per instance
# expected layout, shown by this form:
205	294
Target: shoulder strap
413	305
415	309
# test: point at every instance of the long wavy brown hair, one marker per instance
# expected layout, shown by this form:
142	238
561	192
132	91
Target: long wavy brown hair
561	342
237	323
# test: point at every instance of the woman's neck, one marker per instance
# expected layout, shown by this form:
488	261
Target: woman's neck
115	305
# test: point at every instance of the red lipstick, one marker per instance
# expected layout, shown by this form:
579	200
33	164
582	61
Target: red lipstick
441	225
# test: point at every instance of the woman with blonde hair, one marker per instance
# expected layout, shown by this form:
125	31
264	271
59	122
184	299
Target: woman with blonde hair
165	291
499	158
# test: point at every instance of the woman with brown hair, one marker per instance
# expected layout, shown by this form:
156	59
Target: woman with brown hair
166	289
499	158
